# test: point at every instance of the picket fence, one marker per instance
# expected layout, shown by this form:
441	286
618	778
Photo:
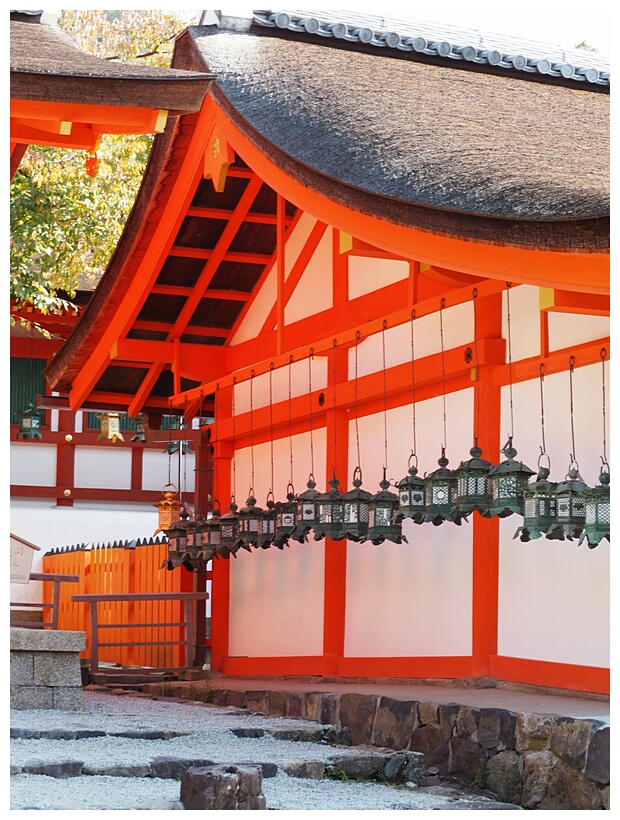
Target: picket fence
125	567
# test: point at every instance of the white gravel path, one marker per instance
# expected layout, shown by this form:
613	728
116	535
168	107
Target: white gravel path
208	736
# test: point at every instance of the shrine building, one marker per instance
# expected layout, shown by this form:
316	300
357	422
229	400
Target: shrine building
377	251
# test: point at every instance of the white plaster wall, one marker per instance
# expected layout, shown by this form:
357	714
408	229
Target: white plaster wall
301	373
103	467
156	465
314	291
368	273
458	329
567	329
524	321
554	596
48	526
411	599
33	463
276	596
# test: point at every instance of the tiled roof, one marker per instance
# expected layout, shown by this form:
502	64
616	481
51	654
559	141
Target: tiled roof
442	40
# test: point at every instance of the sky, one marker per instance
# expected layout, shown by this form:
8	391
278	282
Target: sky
562	22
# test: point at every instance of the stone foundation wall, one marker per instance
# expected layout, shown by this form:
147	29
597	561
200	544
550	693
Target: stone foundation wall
45	669
535	761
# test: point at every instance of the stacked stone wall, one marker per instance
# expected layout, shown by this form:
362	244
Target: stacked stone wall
45	669
534	761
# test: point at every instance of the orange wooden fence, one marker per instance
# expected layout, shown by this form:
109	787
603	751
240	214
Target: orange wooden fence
131	567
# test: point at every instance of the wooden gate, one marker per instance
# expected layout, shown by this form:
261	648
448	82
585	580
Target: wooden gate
130	568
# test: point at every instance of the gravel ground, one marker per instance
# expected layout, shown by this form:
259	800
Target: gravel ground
208	736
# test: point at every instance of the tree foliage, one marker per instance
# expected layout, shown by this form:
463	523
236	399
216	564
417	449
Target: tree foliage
64	223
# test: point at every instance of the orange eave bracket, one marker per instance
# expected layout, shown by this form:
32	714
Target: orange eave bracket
566	301
218	157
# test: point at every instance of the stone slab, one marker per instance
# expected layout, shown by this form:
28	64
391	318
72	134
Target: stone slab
22	668
56	669
48	640
32	697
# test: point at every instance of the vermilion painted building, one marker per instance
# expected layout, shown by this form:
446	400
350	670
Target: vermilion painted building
350	186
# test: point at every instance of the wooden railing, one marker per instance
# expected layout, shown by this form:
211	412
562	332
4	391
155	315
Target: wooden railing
188	640
56	579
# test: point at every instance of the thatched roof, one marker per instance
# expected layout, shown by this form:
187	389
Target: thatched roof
470	142
46	64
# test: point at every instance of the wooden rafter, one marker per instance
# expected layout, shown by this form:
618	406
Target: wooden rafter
230	256
210	293
221	213
217	255
195	330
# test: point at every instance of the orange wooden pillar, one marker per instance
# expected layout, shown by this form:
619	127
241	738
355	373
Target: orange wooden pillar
220	582
336	551
487	406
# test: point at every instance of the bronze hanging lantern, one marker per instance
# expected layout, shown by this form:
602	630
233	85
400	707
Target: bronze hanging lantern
440	492
208	534
570	510
472	487
383	521
307	515
267	524
169	509
249	516
177	541
331	513
110	427
598	511
286	518
539	505
229	531
506	483
142	427
29	424
598	520
355	509
411	494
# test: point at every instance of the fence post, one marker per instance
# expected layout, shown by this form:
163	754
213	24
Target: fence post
189	634
94	638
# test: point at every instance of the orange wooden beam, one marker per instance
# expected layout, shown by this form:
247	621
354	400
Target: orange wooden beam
131	119
81	138
221	213
154	256
210	293
582	272
289	284
193	330
345	337
565	301
230	256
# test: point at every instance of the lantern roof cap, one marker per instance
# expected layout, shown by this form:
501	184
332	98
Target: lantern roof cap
475	462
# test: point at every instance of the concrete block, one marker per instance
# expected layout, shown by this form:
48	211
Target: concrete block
57	669
22	668
67	698
39	640
32	697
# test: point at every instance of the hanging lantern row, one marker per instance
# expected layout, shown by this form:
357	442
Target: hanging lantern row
565	510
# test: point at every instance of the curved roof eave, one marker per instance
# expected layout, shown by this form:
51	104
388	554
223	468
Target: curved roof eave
429	135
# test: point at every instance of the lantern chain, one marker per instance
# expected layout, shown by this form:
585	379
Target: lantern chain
443	373
542	408
234	458
252	428
271	420
310	360
477	432
357	434
414	451
385	439
290	415
571	367
335	343
603	357
512	422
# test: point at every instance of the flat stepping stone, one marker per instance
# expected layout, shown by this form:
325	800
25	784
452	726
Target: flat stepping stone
118	770
148	734
62	770
247	732
304	733
174	768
